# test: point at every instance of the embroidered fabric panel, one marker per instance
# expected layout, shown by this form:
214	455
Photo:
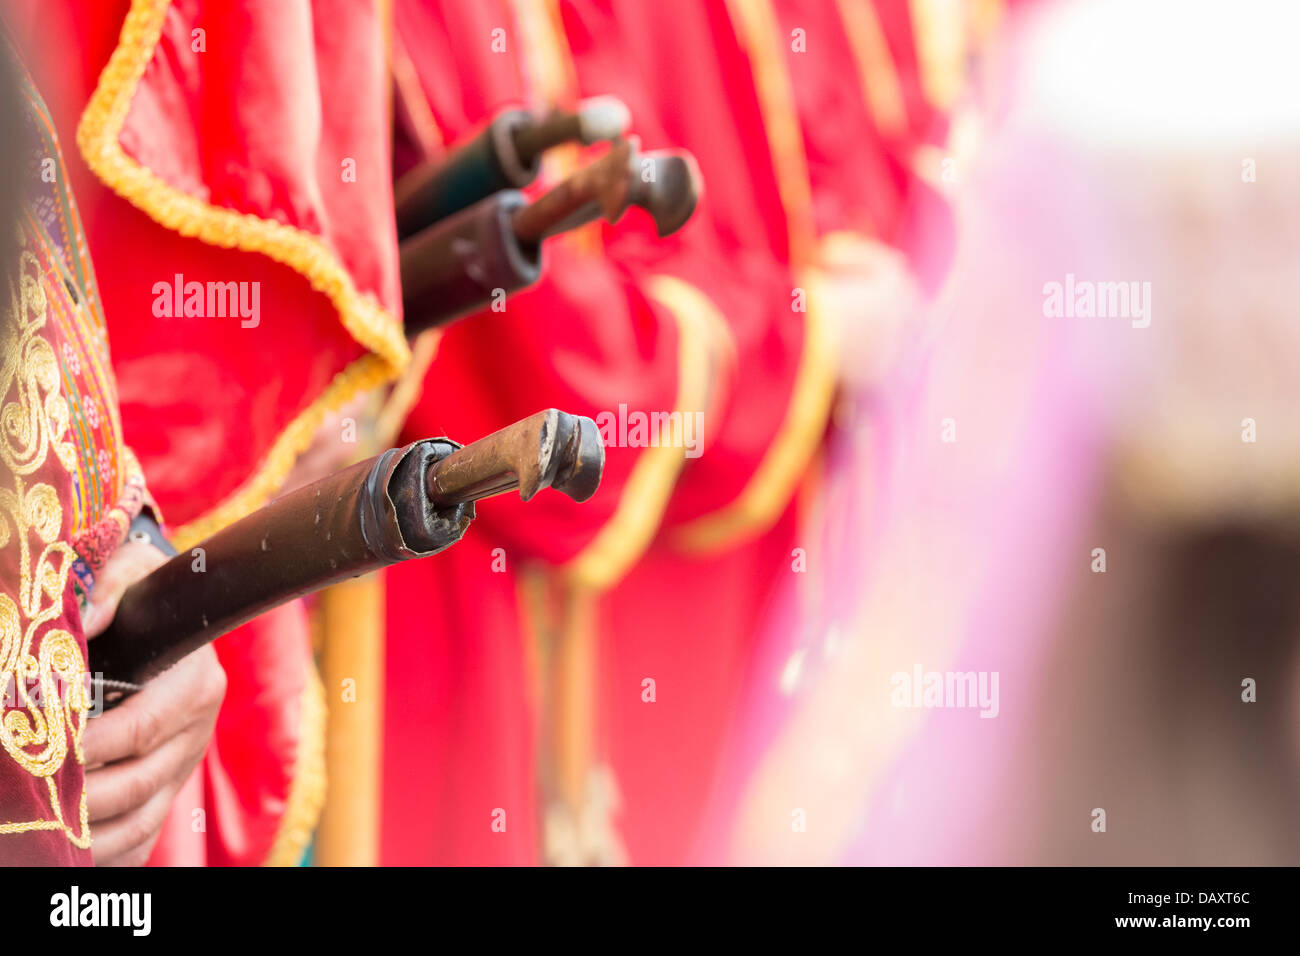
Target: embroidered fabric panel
68	492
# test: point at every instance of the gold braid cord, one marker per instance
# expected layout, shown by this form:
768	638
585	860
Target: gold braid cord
361	314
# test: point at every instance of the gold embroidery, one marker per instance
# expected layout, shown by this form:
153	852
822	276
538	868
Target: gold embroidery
34	419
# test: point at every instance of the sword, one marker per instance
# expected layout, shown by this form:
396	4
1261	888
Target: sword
457	265
409	502
505	155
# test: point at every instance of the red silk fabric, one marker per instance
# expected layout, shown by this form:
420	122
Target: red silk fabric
266	120
689	621
276	112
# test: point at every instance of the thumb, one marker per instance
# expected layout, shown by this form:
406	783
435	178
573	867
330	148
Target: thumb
128	564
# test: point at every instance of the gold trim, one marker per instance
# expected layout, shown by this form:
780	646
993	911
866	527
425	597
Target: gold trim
777	476
882	90
367	372
573	693
410	96
986	18
939	30
302	807
544	50
409	389
351	616
757	28
551	78
625	536
774	480
361	313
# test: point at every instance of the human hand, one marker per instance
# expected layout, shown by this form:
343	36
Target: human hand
139	754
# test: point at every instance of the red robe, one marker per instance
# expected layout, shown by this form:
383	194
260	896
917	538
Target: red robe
680	604
461	700
235	142
70	489
788	165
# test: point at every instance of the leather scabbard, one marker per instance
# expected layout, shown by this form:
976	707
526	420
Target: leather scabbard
456	266
485	165
374	514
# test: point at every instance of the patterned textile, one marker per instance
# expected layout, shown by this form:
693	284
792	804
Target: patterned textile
69	489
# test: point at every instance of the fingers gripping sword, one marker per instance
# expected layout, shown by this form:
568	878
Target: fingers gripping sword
409	502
